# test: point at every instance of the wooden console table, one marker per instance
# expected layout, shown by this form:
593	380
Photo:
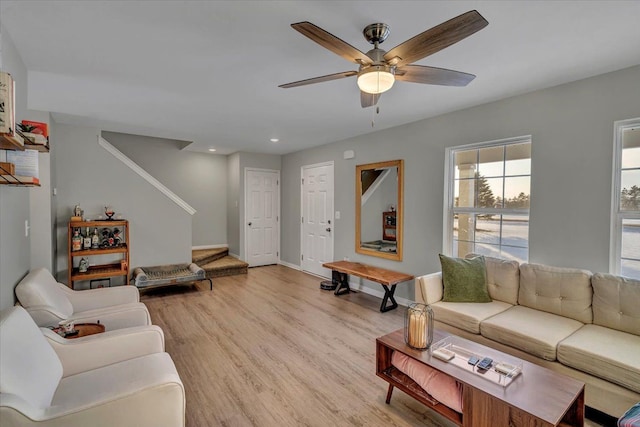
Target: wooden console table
537	397
380	275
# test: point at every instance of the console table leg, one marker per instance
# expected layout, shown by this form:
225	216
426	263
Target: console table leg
389	393
388	295
343	284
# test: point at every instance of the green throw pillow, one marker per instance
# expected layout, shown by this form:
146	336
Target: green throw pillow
465	280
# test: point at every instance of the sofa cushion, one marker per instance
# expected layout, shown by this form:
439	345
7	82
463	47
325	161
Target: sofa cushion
40	288
503	278
464	280
605	353
29	367
535	332
616	302
566	292
467	315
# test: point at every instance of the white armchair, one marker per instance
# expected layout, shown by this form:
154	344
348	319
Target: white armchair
50	302
119	378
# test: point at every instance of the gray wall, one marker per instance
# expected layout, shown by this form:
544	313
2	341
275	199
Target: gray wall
572	132
233	203
15	256
160	230
200	179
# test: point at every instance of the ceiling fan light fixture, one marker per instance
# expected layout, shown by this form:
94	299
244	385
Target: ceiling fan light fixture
376	79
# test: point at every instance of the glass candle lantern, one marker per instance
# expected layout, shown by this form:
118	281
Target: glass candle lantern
418	326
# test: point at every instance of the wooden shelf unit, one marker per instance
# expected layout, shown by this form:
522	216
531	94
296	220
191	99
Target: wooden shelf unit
389	226
101	271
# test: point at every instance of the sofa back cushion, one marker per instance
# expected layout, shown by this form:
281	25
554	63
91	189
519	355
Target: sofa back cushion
29	367
40	288
503	278
616	302
566	292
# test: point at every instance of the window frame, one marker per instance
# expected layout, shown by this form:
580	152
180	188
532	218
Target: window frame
617	214
449	190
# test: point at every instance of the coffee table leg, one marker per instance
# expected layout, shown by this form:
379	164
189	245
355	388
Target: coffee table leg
343	284
388	295
389	393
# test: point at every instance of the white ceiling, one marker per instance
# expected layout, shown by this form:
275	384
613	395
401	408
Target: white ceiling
209	72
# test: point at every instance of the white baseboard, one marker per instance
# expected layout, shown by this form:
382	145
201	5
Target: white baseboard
198	248
286	264
236	256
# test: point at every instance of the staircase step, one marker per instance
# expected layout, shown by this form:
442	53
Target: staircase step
205	256
226	266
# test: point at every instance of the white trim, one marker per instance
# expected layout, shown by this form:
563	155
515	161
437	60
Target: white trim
288	264
615	230
236	256
278	213
199	248
145	175
333	206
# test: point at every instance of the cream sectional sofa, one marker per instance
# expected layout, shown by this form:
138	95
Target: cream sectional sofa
569	320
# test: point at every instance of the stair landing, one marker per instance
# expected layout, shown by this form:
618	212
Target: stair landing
217	262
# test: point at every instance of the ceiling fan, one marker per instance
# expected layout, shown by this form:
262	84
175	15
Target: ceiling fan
379	69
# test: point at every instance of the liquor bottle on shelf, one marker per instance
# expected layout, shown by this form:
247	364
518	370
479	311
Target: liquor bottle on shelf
95	239
87	240
76	240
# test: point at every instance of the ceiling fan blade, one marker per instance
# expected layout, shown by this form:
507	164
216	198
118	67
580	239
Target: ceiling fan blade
320	79
331	42
433	76
436	38
368	99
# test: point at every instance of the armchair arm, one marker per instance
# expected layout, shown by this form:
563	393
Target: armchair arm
94	351
429	288
45	315
102	297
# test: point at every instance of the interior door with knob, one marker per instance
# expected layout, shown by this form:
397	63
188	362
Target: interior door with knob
262	210
317	218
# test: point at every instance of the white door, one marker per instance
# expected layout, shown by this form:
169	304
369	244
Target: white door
317	218
262	207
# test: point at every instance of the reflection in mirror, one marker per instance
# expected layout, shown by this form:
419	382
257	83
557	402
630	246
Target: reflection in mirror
379	209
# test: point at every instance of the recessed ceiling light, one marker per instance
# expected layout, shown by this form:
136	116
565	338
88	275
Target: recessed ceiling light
274	140
212	149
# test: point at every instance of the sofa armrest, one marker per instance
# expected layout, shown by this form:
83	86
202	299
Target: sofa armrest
103	297
94	351
429	288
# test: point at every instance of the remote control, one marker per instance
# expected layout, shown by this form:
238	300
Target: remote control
473	360
485	363
443	354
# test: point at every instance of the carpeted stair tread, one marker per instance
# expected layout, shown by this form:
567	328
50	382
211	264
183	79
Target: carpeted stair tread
226	266
205	256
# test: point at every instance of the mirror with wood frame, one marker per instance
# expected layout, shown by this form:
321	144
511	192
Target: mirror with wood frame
379	209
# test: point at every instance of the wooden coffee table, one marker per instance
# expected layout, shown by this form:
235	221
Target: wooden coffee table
85	329
376	274
536	397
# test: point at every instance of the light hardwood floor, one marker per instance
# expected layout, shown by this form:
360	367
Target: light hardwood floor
271	349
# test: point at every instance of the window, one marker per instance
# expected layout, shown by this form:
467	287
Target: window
625	218
487	199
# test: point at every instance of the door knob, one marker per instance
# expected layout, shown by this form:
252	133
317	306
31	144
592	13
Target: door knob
328	228
249	224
